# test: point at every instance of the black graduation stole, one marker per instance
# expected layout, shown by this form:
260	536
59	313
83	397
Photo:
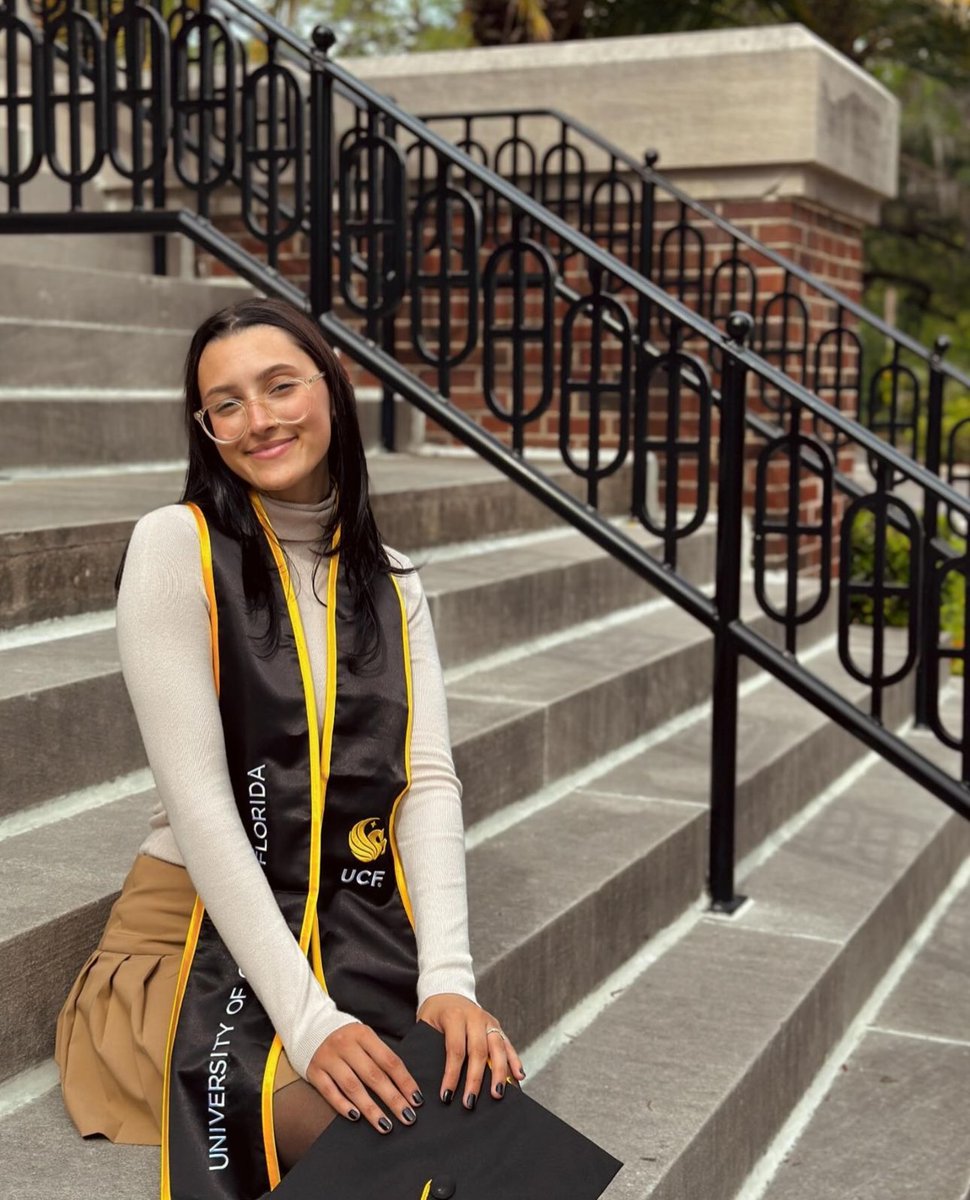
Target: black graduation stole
319	809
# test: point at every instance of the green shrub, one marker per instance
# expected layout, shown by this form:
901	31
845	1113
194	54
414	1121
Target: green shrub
956	409
896	608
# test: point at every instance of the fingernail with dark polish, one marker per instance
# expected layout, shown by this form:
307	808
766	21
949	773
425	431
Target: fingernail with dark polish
408	1114
470	1100
417	1098
500	1090
354	1115
447	1096
385	1125
521	1072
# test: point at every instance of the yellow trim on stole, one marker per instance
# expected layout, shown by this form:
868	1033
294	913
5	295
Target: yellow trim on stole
319	773
427	1190
402	883
195	923
191	941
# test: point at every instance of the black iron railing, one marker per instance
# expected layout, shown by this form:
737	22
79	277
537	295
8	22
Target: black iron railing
224	103
816	334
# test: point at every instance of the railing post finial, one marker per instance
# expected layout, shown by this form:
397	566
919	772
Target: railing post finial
739	326
324	38
651	158
941	345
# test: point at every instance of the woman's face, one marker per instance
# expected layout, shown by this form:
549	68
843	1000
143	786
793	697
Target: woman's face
288	462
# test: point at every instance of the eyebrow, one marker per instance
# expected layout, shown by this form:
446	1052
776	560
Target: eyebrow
264	374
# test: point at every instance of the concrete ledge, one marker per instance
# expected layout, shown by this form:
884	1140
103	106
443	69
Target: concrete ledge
701	99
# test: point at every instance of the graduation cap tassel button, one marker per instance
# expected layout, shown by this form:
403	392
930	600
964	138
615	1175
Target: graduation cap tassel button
442	1187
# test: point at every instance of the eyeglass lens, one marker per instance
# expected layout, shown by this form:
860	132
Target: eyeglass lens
287	401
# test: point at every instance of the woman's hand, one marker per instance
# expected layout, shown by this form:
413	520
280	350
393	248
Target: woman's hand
352	1060
471	1031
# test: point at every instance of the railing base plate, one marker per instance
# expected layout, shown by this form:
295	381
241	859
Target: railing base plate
727	908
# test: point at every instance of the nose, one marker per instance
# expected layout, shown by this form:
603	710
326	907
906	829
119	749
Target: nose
260	418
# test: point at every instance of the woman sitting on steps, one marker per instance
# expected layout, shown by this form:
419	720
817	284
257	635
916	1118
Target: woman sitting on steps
300	898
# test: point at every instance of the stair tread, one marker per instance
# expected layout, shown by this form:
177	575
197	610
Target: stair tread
577	663
894	1124
43	394
548	550
700	1023
45	1159
45	326
43	289
770	721
915	1049
930	999
89	855
62	660
598	832
830	875
57	663
615	813
64	502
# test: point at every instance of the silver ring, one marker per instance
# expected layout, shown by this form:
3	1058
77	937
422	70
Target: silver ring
495	1029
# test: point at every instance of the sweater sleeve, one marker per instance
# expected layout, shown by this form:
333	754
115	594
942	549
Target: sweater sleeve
429	827
164	645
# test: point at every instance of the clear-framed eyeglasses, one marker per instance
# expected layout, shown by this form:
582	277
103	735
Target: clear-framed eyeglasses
286	400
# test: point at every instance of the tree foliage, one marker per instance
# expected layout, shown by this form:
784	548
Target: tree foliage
383	26
930	35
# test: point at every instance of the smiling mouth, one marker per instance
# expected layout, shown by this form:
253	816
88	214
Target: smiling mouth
271	449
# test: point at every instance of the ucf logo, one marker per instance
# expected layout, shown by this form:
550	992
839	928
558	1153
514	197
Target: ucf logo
367	841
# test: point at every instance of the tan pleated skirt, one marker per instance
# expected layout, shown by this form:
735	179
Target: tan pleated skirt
112	1030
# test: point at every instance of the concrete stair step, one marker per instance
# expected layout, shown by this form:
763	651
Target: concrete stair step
530	910
520	726
892	1121
61	353
46	1160
50	688
690	1071
618	849
50	428
48	931
42	292
120	253
787	752
63	704
62	536
485	599
626	842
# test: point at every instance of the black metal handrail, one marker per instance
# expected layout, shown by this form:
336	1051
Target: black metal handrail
400	278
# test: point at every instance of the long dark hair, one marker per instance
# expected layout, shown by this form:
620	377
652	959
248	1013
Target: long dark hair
210	483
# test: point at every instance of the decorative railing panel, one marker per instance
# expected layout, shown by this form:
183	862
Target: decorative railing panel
815	334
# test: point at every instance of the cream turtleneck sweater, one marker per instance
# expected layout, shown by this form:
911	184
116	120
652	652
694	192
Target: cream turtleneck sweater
163	640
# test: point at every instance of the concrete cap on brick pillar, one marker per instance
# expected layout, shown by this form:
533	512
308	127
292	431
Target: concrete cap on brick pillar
765	113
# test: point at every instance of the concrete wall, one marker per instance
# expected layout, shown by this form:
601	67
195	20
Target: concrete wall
771	112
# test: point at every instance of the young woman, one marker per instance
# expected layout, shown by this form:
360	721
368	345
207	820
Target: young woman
300	898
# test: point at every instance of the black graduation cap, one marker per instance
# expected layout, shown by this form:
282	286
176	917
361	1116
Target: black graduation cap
511	1149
